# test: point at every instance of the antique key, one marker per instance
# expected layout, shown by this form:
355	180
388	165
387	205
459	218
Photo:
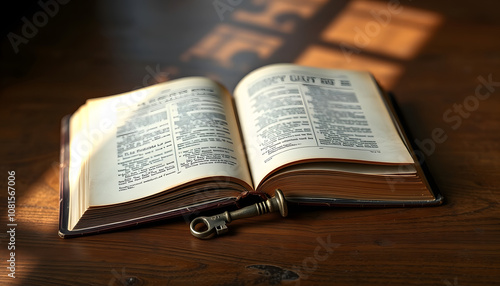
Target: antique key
217	224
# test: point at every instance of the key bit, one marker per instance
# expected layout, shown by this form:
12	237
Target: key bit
217	224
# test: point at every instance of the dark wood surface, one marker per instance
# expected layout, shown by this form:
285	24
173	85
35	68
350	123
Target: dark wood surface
433	56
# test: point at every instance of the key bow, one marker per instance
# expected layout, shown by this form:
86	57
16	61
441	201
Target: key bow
214	225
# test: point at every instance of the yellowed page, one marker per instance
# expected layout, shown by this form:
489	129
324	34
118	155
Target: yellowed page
353	168
159	137
290	113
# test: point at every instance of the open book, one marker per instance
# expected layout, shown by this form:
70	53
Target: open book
321	136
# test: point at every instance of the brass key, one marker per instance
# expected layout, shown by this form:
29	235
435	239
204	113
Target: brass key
217	224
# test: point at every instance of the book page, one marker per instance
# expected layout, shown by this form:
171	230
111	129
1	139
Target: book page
160	137
290	113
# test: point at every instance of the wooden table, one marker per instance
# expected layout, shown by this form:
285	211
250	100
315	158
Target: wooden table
436	57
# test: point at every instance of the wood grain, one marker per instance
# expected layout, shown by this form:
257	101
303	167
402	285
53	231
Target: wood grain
91	49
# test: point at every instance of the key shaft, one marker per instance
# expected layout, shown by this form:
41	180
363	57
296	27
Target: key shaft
276	203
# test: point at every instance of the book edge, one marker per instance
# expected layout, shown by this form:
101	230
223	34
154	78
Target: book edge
409	139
